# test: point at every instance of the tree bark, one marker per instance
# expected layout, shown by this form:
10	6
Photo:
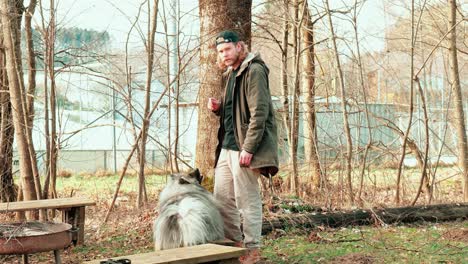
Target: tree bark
433	213
45	192
11	33
458	100
311	157
284	71
53	139
293	144
31	62
215	16
8	192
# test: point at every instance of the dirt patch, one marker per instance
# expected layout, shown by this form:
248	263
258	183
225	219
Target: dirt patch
460	235
355	258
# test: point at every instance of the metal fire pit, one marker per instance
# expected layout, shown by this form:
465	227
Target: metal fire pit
32	237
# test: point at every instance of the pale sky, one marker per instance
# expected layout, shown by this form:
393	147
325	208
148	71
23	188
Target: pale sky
116	16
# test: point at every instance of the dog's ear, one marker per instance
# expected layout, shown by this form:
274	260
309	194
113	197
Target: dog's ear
182	180
196	174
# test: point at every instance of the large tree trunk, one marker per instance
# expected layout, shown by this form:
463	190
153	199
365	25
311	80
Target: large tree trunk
215	16
11	33
458	98
8	191
433	213
311	157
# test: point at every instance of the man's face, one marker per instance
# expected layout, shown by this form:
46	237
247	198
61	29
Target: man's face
229	53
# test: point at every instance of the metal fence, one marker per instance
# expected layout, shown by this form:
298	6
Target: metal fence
330	136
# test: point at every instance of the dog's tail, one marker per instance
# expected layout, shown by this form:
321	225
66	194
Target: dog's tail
191	222
172	237
200	222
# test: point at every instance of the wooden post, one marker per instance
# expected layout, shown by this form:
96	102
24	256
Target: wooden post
75	216
81	223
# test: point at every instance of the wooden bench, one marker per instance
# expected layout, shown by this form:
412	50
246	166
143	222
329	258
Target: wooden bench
197	254
73	211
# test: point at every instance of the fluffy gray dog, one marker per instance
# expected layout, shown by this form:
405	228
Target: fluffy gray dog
188	214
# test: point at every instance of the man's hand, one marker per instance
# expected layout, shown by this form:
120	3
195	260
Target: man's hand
213	104
245	158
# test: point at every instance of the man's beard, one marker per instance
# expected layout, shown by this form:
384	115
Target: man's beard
232	61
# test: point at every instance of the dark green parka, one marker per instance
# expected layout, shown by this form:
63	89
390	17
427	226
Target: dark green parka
253	115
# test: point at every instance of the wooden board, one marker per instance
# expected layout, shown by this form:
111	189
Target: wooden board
59	203
224	242
196	254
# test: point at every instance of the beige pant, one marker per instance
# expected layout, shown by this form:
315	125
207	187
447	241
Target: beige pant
237	190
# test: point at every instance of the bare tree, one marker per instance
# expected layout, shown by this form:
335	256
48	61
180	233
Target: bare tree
160	72
354	22
146	114
46	53
177	83
11	15
49	67
293	144
411	107
349	142
169	90
311	157
8	191
284	70
458	100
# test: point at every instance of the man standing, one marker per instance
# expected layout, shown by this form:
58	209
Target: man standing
247	141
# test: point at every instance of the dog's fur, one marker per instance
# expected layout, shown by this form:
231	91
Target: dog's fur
188	214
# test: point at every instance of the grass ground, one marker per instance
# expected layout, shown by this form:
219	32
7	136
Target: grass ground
416	243
129	231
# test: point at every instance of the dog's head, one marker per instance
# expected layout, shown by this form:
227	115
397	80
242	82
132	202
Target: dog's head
179	184
193	177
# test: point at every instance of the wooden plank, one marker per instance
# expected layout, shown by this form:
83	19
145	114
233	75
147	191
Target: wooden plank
224	242
196	254
59	203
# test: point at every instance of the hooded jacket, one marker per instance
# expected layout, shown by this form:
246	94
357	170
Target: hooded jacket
253	115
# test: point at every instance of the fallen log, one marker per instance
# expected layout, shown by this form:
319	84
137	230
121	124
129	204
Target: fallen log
430	213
